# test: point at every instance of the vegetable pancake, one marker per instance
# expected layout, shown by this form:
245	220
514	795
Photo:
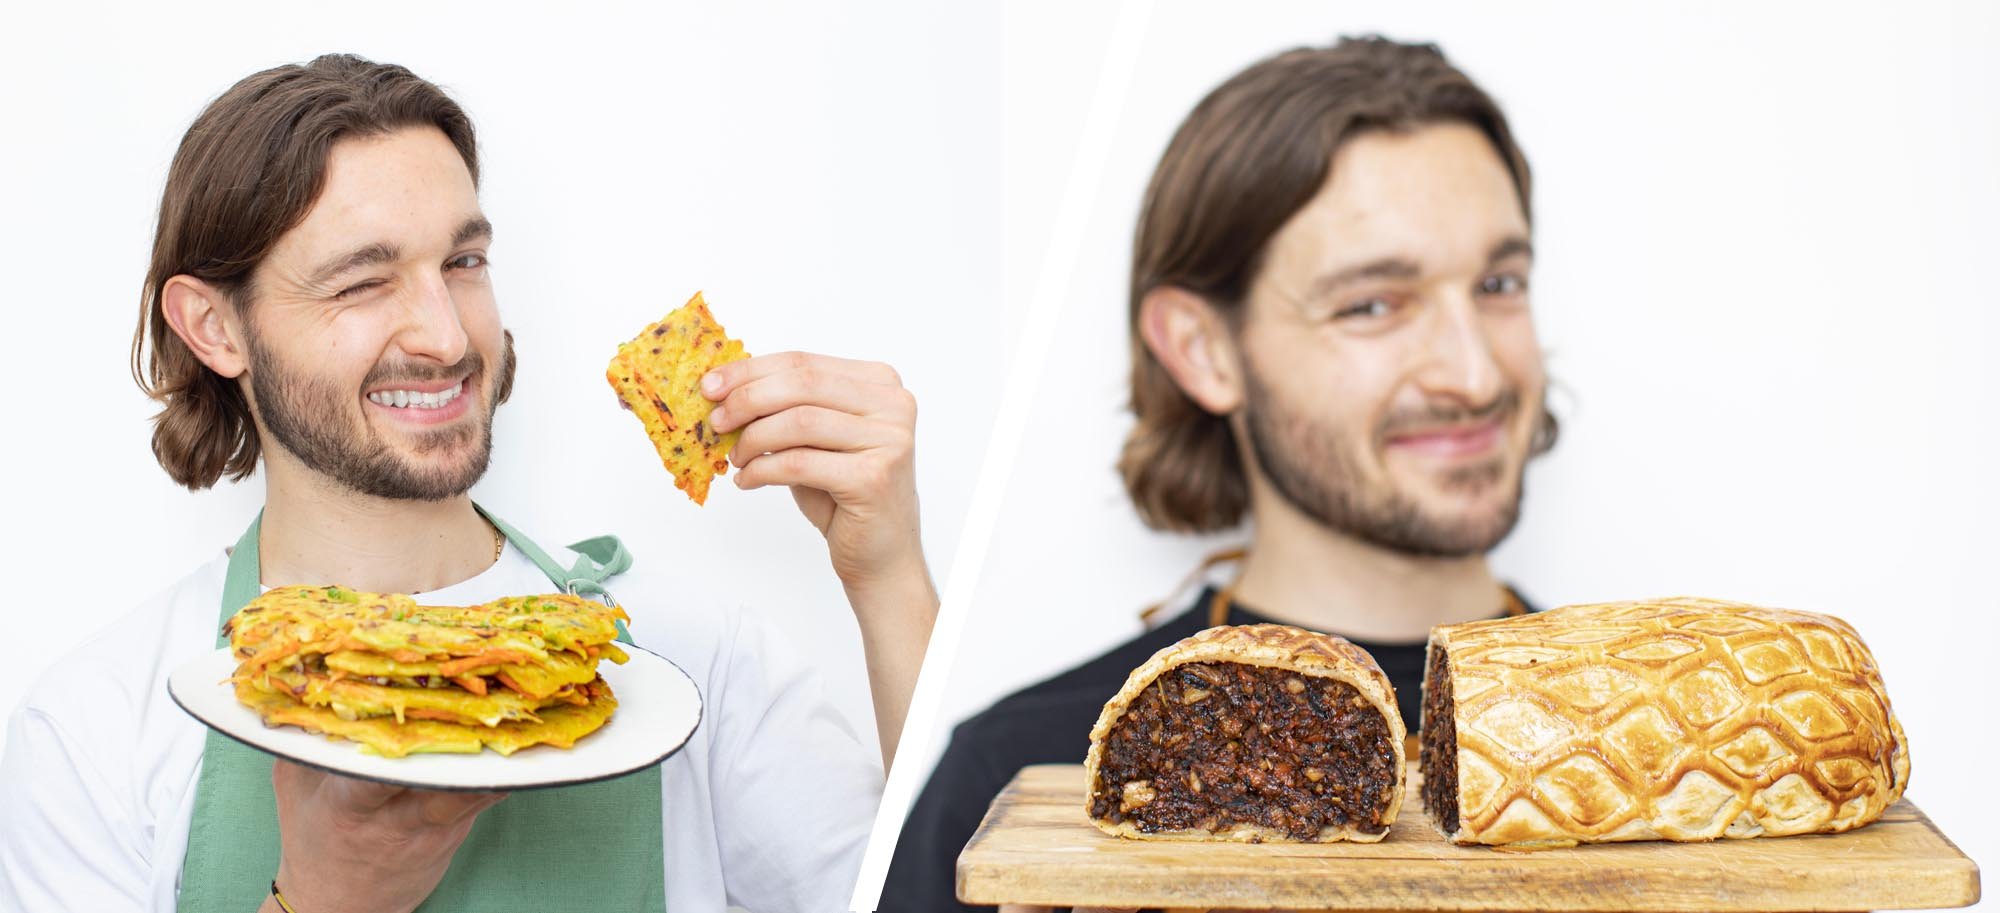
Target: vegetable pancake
402	678
537	680
306	619
559	726
658	376
353	698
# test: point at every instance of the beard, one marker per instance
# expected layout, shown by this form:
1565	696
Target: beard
1313	467
317	421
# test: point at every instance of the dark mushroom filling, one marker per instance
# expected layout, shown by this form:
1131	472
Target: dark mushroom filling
1437	754
1211	746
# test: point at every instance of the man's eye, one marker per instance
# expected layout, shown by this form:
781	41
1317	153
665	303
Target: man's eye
1369	307
1503	284
467	261
357	289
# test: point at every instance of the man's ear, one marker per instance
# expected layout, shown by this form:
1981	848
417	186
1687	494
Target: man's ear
1194	343
202	316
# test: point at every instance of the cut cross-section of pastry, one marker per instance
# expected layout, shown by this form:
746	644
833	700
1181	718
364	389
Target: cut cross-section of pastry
1251	733
1672	719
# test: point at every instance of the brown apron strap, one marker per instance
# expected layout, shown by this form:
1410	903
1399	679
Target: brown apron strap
1218	605
1147	614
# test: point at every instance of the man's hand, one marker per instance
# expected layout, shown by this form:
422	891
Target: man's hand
351	844
842	435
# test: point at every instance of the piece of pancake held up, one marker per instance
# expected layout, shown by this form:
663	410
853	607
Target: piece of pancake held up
1250	733
399	677
1673	719
658	377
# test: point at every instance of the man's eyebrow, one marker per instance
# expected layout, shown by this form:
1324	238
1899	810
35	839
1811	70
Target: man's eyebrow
475	227
1384	268
365	255
1512	246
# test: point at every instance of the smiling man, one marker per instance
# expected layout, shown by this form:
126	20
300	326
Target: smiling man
319	303
1331	339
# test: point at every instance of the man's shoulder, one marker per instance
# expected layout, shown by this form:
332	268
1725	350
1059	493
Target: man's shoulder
1053	716
120	670
733	655
673	618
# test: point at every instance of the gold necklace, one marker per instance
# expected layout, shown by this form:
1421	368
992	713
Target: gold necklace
499	543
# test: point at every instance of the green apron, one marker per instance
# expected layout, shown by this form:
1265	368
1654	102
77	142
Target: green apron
591	847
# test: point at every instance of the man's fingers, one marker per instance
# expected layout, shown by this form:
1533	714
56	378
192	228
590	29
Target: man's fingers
285	774
491	799
838	474
812	426
442	808
358	796
810	385
724	379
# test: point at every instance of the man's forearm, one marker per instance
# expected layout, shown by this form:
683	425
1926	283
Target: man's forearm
895	615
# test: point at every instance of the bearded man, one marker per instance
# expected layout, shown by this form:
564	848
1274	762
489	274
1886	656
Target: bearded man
318	303
1330	338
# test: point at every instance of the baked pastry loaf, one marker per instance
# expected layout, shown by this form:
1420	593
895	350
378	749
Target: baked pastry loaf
1249	733
1676	719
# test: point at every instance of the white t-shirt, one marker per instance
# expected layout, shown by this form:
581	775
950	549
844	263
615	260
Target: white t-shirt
768	806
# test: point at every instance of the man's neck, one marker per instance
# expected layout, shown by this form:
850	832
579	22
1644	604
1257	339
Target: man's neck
315	532
1302	573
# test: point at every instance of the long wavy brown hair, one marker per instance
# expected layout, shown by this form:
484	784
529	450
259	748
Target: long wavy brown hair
1245	160
246	172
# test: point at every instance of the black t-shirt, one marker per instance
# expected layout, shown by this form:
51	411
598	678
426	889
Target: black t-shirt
1049	723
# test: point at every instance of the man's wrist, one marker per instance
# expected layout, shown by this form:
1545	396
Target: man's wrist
895	581
902	592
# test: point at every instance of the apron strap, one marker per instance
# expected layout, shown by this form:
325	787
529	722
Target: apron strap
598	559
244	579
1511	605
1223	556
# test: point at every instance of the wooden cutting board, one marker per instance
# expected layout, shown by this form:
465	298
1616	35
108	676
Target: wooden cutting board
1036	846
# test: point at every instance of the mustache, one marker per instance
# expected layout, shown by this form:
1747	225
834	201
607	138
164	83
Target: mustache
1433	416
388	372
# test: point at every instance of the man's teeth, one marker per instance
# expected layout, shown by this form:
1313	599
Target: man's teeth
411	399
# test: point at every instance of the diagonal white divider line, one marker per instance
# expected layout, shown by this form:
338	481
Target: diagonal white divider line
1114	80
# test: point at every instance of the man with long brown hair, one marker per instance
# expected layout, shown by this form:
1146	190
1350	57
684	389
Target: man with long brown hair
319	305
1330	338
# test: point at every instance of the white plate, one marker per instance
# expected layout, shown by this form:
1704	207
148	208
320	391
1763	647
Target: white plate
658	709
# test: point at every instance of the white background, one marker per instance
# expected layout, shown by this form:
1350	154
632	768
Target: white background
1764	286
828	176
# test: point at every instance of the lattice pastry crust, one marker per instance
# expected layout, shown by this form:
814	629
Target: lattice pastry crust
1677	719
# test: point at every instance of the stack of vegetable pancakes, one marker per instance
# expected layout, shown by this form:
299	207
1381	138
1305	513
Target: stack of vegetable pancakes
402	678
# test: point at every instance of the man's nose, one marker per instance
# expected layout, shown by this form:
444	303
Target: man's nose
433	329
1458	361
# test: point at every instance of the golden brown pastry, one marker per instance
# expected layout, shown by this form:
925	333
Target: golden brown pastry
1674	719
1250	733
